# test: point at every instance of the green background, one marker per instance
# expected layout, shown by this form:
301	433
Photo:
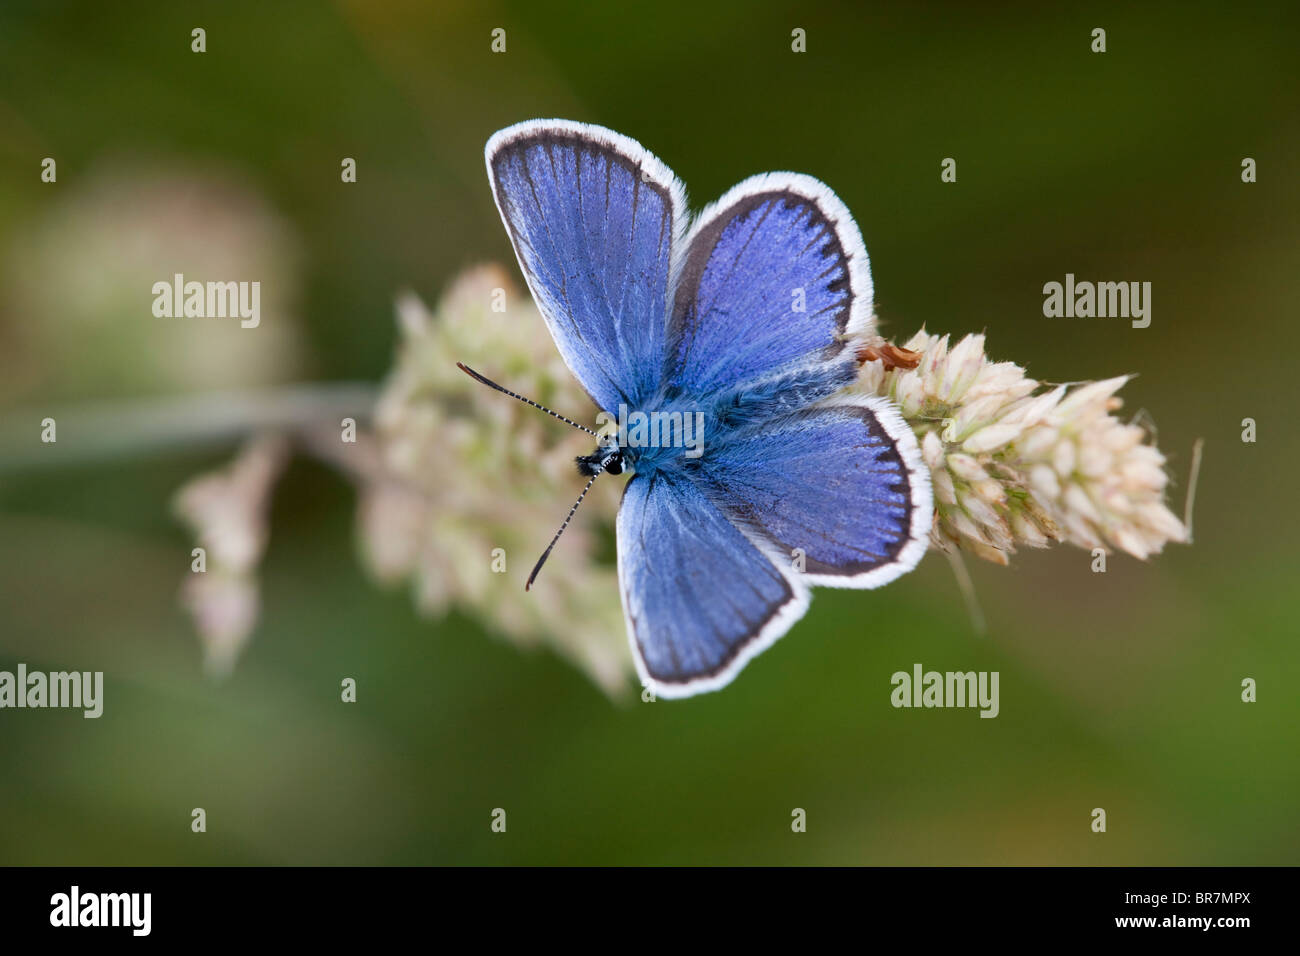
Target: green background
1118	690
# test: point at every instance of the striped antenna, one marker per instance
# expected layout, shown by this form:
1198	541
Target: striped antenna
547	553
527	401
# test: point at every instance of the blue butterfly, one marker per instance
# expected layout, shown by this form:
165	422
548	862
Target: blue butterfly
732	335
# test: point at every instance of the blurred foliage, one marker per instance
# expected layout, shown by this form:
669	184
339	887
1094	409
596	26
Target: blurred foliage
1119	690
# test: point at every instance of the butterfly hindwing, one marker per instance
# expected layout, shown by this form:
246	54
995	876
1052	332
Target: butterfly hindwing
700	598
595	220
840	486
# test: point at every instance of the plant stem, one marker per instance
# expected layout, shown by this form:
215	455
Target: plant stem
101	431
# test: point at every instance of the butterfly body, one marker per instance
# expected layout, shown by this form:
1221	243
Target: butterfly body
720	347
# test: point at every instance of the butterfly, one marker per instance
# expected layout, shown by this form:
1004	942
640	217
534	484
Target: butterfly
721	346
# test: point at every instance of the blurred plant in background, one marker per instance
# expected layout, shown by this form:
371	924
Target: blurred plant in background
455	484
228	511
464	471
87	266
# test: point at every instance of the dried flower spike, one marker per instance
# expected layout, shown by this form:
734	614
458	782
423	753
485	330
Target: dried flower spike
1017	463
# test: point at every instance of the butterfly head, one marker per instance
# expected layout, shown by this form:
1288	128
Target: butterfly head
606	459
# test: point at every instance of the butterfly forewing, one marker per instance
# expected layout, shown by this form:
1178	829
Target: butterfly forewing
594	220
773	278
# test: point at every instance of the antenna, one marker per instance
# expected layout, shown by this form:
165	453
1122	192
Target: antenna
527	401
547	553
